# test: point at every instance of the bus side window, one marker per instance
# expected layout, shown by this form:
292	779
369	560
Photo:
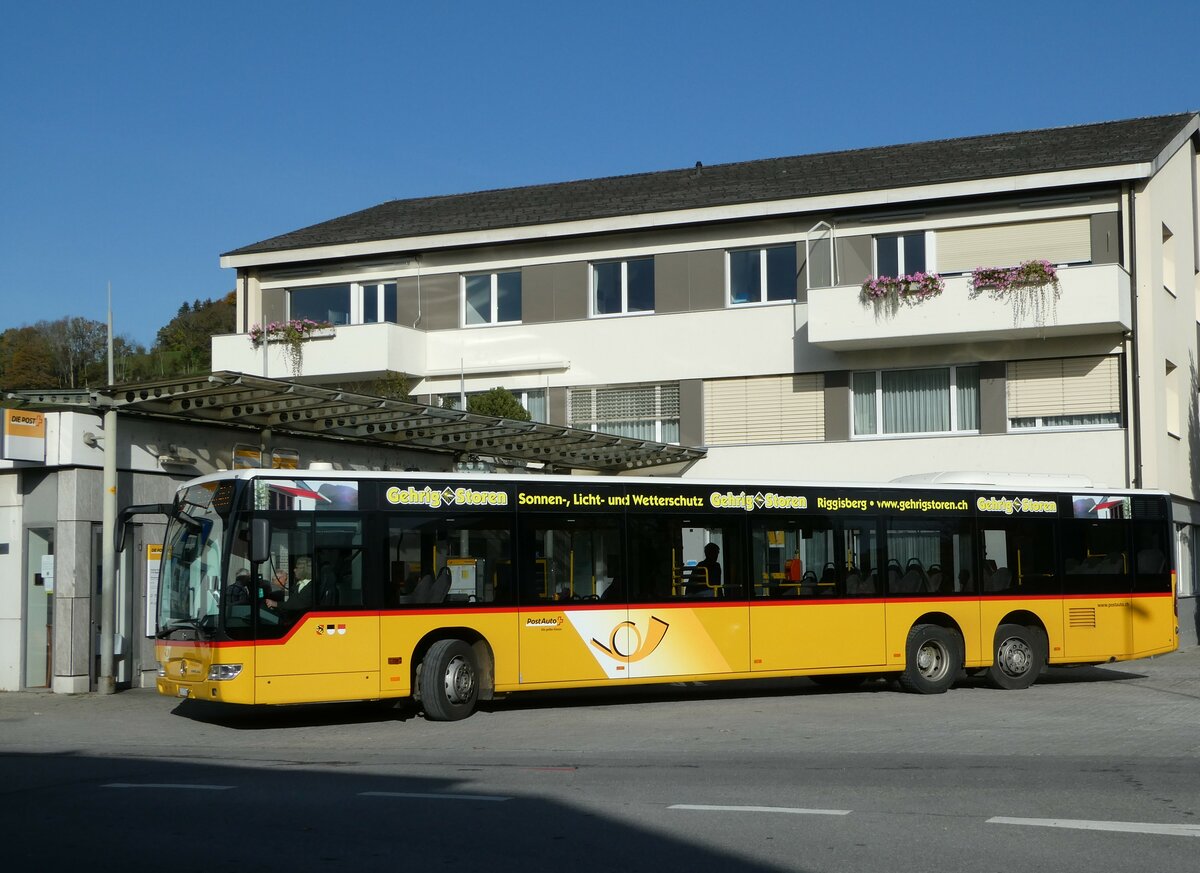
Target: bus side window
1095	556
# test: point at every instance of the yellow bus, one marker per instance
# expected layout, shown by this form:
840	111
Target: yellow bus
284	587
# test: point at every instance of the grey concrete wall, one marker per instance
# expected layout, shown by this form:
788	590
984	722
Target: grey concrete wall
556	406
853	259
440	302
554	292
672	284
837	405
993	399
274	304
706	278
537	293
691	412
1106	238
408	309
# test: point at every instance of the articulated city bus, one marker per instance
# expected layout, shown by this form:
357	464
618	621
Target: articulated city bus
282	587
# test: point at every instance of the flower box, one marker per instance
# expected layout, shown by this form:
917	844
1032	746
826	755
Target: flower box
912	288
1029	274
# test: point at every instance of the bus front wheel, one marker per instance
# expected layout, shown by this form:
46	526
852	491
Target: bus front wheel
449	681
1018	657
933	659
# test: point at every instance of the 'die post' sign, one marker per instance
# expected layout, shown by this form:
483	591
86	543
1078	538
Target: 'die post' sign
24	436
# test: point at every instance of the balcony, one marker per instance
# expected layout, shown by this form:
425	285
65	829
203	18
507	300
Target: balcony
1090	300
358	351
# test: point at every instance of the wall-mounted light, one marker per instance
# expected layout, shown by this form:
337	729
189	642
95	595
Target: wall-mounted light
91	440
177	456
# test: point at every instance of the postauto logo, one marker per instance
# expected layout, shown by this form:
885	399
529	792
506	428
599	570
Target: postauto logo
626	644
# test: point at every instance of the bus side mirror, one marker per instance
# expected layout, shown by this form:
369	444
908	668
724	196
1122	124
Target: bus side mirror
260	540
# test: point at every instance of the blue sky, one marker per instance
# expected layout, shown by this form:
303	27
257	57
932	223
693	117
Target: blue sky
141	140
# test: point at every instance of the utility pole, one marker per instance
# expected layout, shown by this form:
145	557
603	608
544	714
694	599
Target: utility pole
106	682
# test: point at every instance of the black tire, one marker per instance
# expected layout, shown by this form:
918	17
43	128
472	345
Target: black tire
1019	655
933	659
448	680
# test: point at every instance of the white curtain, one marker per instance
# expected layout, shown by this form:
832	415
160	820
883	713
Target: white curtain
864	403
916	401
967	383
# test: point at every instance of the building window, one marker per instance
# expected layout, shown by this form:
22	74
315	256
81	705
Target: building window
329	303
1171	401
379	302
532	399
929	401
645	412
623	287
900	254
764	409
1064	393
492	298
1168	260
357	303
762	275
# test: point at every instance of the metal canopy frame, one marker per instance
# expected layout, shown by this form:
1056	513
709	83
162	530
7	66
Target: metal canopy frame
285	407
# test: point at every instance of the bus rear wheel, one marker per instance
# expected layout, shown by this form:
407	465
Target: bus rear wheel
933	659
1018	657
449	681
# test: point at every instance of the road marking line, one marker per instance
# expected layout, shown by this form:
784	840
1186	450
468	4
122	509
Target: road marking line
1130	827
179	785
785	809
491	798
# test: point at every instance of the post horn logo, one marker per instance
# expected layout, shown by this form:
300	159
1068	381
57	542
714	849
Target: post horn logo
626	644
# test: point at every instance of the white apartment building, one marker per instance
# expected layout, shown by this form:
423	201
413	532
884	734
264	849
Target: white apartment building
725	307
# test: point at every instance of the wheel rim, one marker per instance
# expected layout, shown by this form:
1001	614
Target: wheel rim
933	660
459	680
1014	657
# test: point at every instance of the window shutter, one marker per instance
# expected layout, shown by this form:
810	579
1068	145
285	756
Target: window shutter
1064	386
1064	241
624	403
764	409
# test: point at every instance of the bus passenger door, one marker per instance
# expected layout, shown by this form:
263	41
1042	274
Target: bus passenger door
688	610
317	641
818	600
573	617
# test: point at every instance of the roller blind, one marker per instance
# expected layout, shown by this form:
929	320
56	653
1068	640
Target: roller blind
624	403
1064	386
1064	241
764	409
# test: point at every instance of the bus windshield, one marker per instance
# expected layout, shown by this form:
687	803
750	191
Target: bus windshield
189	596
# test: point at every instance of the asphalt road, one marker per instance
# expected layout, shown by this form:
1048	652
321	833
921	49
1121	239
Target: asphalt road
1093	769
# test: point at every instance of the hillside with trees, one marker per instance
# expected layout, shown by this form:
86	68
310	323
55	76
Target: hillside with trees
72	352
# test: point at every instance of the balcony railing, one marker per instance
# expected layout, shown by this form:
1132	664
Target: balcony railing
359	350
1089	300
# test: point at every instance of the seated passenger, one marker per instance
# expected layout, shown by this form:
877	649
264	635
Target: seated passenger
300	592
239	591
705	577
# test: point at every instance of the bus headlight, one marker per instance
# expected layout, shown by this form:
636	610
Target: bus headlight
224	672
162	669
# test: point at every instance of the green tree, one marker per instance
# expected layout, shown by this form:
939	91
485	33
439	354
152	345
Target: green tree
184	344
393	386
499	402
26	360
77	344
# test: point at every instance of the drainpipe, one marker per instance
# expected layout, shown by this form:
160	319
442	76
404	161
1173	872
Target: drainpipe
1136	388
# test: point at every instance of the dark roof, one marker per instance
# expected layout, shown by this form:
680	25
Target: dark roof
1036	151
